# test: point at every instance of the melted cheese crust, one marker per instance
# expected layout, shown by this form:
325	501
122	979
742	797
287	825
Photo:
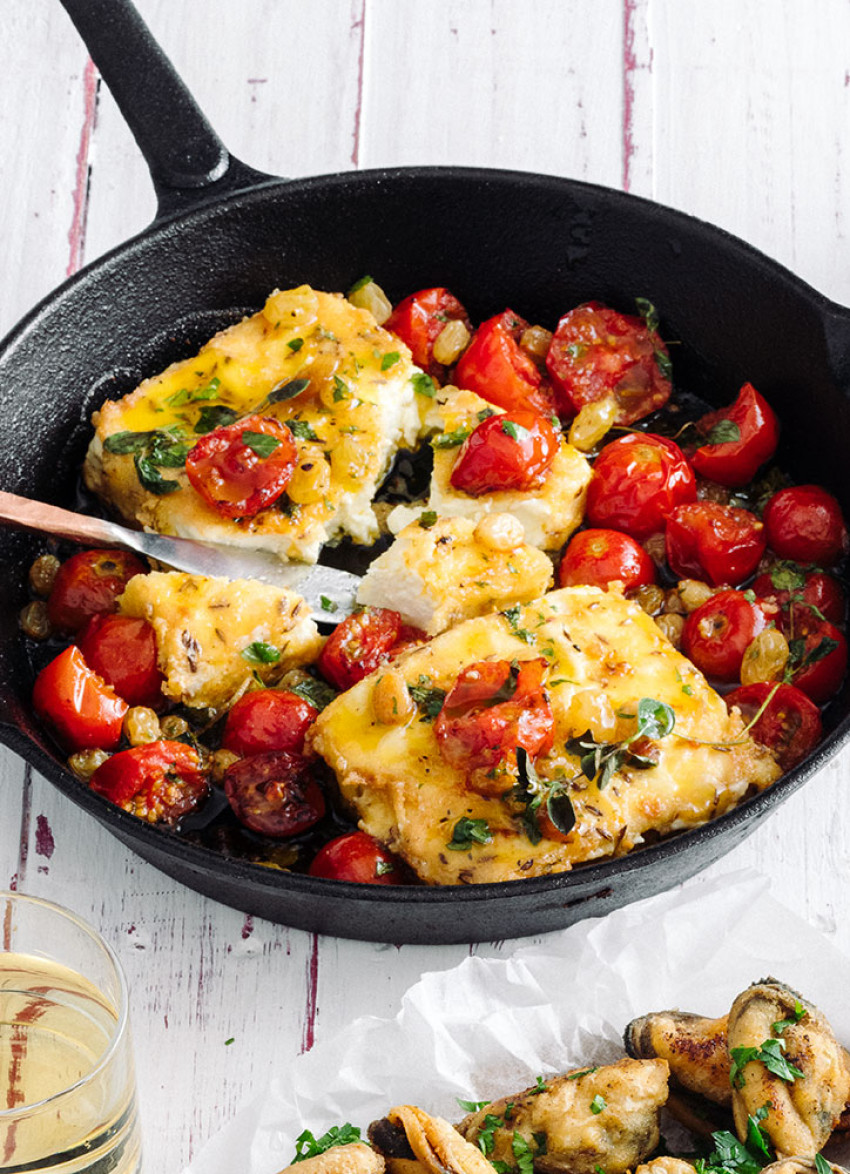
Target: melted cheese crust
357	410
203	626
549	514
604	655
438	574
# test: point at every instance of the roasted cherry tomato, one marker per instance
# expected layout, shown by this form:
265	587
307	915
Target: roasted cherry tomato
597	352
496	367
359	644
87	584
739	439
790	725
122	650
80	708
241	468
805	523
419	319
274	794
716	635
792	587
514	451
718	543
598	557
268	719
360	858
158	782
637	480
818	659
493	707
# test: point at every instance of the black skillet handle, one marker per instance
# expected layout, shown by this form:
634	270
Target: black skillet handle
189	164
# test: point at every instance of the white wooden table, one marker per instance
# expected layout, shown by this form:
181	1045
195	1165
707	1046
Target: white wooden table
737	111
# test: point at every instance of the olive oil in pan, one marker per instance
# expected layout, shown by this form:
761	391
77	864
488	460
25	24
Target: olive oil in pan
66	1105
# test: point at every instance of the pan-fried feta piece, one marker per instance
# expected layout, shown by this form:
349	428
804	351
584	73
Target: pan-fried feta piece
603	656
312	360
442	570
549	515
212	635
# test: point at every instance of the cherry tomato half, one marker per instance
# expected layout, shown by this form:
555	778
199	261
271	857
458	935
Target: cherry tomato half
597	352
87	584
274	794
158	782
358	645
717	634
739	439
493	707
598	557
360	858
241	468
510	452
80	708
790	725
792	587
718	543
496	367
122	650
805	523
818	654
420	318
637	480
268	719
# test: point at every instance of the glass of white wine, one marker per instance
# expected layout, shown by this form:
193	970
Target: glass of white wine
67	1085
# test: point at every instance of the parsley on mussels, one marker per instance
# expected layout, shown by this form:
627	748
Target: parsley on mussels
308	1146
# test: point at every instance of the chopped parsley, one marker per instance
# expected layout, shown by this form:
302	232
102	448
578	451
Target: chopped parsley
327	604
308	1146
581	1072
450	439
389	360
799	1013
598	1104
472	1106
769	1054
427	519
512	615
514	431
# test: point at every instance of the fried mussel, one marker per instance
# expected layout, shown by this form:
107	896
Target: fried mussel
765	1085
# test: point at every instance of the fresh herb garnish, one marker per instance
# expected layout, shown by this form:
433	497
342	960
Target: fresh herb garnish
731	1156
287	390
472	1106
514	431
259	652
489	1126
428	698
539	1086
648	312
787	576
664	363
601	760
308	1146
532	792
822	1166
318	693
301	429
212	417
724	432
423	384
769	1054
802	658
389	360
450	439
427	519
295	344
581	1072
260	442
467	832
327	604
151	478
512	615
598	1104
798	1014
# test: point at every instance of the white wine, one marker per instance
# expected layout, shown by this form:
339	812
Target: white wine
66	1094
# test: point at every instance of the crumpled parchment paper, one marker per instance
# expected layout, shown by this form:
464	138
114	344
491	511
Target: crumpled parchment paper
490	1026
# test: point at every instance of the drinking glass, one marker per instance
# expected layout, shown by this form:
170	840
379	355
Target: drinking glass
67	1086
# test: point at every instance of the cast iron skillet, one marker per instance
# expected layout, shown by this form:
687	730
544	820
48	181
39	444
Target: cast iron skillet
224	237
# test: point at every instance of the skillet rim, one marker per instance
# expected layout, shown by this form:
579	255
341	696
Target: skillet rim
741	819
